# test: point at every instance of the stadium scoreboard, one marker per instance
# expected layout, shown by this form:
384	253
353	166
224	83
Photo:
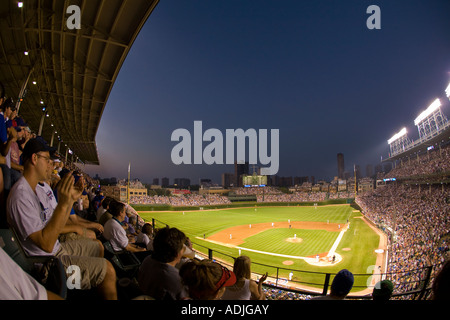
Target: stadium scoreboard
254	180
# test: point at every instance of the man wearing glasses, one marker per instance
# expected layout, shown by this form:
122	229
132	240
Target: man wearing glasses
38	231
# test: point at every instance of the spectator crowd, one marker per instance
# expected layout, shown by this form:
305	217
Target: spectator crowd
417	219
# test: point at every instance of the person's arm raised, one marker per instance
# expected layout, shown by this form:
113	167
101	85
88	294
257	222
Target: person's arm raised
47	237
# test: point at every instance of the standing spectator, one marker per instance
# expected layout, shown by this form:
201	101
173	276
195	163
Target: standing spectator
206	280
158	277
16	166
7	137
245	288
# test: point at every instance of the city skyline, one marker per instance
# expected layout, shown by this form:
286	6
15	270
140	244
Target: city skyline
369	172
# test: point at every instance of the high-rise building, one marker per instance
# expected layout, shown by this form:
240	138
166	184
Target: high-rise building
165	182
369	170
357	171
227	180
340	165
239	170
182	182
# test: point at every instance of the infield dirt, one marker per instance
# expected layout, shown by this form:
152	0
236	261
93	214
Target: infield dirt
239	233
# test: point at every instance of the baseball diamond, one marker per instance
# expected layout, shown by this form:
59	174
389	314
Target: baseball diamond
298	239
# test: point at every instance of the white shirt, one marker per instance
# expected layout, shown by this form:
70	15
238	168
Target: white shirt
142	238
235	293
116	234
46	196
100	212
27	215
16	284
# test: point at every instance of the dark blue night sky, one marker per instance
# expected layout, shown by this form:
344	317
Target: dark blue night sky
311	69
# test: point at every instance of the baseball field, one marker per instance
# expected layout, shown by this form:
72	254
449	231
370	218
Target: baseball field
299	243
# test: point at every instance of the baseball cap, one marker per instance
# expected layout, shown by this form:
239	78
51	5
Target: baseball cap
228	278
35	145
20	122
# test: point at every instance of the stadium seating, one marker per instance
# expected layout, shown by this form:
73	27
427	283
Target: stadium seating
125	262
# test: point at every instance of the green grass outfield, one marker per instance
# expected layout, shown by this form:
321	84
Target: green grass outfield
359	238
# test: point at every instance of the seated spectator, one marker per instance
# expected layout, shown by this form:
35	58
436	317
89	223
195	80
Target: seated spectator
206	280
38	228
115	232
145	237
158	277
188	254
107	215
245	288
16	284
132	232
103	208
76	226
383	290
340	287
97	201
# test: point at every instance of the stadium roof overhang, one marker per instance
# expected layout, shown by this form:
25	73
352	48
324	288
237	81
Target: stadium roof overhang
442	138
73	70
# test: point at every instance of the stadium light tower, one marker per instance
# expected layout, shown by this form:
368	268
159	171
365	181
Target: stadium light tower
447	91
431	121
399	142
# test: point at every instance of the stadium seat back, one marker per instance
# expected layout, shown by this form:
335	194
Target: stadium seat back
48	270
125	262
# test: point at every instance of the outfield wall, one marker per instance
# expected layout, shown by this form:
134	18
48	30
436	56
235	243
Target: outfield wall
165	207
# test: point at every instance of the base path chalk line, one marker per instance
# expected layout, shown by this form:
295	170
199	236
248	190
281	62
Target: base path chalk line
338	240
272	254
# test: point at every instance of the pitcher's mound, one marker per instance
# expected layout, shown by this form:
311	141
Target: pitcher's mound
294	240
288	262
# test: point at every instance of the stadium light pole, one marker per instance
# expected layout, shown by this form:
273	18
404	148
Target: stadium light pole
434	106
398	143
447	91
398	135
128	183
